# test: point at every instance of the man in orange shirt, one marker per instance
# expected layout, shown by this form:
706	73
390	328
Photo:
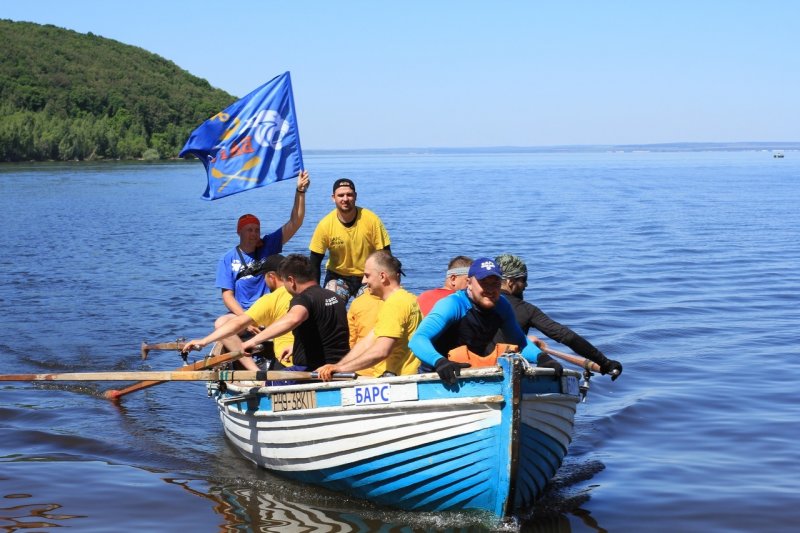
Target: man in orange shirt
455	279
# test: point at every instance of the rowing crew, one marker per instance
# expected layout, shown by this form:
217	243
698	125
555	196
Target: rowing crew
469	327
279	299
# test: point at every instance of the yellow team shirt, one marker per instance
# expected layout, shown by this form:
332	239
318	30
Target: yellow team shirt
398	318
362	315
349	248
270	308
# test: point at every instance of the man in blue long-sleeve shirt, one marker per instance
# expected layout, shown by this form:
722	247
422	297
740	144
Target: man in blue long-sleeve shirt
470	318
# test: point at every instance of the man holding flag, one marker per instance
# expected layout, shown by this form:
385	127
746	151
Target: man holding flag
240	288
251	143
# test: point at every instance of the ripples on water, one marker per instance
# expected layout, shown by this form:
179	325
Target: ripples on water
682	266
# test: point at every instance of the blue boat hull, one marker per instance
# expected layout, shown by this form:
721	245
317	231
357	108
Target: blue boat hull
410	442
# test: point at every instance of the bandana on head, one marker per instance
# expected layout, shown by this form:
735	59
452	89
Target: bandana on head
458	271
245	220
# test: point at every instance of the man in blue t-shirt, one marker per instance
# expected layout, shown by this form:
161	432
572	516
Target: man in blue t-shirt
241	288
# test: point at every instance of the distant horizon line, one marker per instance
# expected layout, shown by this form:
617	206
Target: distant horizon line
652	147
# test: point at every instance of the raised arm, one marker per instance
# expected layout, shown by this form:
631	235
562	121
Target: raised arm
299	207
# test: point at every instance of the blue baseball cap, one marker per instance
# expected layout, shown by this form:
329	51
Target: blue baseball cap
483	267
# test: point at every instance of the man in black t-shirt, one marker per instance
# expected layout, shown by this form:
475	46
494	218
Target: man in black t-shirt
317	317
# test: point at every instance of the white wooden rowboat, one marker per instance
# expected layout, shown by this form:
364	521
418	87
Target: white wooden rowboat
490	443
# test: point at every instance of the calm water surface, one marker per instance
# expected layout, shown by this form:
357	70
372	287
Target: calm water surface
684	266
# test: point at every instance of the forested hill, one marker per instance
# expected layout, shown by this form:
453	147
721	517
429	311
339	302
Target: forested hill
71	96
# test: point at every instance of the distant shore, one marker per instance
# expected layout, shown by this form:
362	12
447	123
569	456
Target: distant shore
582	148
767	147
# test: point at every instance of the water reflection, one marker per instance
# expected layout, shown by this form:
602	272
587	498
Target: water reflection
32	515
565	496
264	506
262	509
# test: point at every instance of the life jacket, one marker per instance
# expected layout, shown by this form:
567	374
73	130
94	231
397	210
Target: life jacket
461	354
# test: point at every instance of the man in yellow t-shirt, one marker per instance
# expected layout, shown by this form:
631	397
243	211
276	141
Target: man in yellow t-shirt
267	310
362	315
349	234
384	351
263	312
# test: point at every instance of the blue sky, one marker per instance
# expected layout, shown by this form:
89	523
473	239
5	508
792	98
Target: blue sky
463	74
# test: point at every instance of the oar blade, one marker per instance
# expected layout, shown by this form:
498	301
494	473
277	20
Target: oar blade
215	358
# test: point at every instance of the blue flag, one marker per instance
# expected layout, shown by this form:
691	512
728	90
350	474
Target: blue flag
251	143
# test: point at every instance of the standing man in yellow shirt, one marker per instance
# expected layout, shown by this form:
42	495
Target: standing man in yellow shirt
384	351
349	234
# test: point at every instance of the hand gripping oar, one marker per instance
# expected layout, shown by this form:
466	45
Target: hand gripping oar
177	345
208	362
178	375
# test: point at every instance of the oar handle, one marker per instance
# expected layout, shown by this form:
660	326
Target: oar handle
575	360
338	375
184	374
177	345
284	375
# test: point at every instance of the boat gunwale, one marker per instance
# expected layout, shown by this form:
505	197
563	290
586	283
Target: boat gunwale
493	371
407	405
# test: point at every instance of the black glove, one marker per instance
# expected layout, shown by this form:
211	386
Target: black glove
545	361
448	370
609	366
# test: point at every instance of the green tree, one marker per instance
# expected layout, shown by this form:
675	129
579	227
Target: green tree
66	95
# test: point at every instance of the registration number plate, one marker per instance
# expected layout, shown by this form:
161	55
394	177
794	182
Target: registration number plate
569	385
294	401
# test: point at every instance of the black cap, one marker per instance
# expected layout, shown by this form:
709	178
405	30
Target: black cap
272	263
344	182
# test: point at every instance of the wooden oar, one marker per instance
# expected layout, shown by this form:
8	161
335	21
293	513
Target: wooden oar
177	345
575	360
208	362
177	375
